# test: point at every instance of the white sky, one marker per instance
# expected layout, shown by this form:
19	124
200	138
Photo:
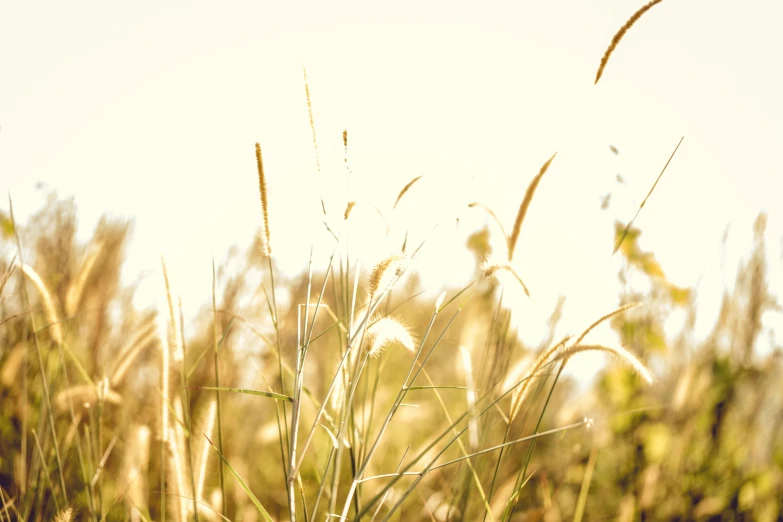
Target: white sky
151	110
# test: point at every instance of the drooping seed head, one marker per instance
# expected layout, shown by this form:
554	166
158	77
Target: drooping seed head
384	332
619	35
531	189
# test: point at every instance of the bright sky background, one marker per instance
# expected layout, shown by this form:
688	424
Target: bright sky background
151	110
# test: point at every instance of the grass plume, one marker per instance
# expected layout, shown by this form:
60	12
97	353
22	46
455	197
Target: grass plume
266	238
531	189
385	272
405	189
619	36
385	332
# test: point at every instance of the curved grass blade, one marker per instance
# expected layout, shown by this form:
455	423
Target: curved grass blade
271	395
243	485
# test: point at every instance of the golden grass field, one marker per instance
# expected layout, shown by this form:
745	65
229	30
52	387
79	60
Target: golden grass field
345	394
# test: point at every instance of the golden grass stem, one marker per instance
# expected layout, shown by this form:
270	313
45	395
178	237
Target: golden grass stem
630	223
223	507
202	468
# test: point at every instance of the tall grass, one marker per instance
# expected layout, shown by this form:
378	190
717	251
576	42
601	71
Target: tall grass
357	397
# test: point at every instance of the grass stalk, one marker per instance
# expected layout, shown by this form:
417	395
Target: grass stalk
216	359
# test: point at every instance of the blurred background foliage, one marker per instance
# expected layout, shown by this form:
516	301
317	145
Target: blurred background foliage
702	443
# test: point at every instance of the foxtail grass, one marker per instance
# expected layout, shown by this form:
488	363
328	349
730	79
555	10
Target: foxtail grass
619	36
266	238
531	189
405	189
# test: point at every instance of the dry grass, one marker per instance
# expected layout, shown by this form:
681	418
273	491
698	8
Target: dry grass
314	418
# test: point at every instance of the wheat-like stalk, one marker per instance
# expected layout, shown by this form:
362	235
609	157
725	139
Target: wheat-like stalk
405	189
55	329
619	35
266	238
531	189
66	515
491	268
206	448
77	287
179	475
312	121
175	335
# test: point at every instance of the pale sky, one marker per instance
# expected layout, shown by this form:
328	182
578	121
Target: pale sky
150	110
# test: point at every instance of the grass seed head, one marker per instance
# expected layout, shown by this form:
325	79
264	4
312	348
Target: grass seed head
619	36
531	189
384	273
384	332
266	238
405	189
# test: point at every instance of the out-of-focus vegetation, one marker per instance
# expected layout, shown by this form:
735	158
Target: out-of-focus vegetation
112	411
